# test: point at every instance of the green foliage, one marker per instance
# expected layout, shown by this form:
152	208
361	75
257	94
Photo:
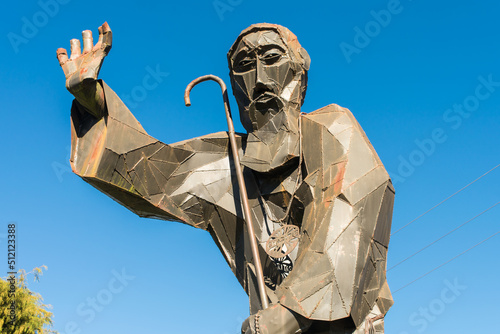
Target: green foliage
32	316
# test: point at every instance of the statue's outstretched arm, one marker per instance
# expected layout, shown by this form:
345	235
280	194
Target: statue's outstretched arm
111	150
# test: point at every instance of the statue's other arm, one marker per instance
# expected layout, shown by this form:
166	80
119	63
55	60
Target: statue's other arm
342	254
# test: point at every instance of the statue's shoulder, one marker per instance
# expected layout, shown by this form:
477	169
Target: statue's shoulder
329	109
330	114
334	121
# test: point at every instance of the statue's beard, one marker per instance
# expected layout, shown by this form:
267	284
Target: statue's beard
274	136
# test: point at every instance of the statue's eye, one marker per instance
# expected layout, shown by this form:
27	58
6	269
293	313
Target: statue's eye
245	64
271	57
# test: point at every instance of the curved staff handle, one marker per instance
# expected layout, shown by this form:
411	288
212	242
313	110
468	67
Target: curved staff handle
241	181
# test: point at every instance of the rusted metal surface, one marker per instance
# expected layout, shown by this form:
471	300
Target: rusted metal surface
314	174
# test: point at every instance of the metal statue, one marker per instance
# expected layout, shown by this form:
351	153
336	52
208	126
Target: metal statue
300	207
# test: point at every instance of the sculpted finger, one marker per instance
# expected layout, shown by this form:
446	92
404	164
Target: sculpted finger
62	56
75	48
99	41
105	37
88	42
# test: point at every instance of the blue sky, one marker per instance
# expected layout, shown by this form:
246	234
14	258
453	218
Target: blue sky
423	81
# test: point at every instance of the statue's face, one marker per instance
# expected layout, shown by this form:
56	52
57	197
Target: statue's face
265	78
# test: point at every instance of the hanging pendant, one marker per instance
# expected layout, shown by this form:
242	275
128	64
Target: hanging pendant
282	241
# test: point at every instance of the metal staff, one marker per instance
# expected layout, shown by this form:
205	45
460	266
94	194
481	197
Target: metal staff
241	181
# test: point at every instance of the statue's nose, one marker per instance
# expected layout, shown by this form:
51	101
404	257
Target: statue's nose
261	75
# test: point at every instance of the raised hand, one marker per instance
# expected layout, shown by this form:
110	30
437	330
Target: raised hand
82	68
85	65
